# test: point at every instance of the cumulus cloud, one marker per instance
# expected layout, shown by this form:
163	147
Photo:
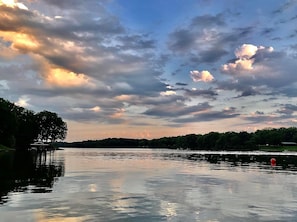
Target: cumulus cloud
13	4
238	66
201	76
64	78
246	57
246	51
76	48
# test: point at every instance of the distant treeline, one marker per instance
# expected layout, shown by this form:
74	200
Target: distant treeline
210	141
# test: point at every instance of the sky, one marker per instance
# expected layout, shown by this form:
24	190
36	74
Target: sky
152	68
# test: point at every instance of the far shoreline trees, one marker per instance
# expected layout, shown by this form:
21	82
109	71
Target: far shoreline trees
269	137
19	127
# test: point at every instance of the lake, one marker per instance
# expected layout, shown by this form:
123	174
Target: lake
78	185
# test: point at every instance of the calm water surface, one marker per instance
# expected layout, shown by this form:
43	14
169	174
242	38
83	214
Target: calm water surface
75	185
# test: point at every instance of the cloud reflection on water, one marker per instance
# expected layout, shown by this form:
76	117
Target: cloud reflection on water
158	185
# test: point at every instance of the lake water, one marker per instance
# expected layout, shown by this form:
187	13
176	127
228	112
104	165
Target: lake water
77	185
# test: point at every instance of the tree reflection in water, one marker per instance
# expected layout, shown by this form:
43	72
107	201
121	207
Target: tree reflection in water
233	159
28	172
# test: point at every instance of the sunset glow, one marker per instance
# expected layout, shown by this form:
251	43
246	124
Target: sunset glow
152	68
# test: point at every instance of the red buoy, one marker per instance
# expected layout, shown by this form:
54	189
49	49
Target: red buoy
273	161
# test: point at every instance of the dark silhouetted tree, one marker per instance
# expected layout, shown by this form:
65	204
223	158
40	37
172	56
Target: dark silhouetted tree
51	127
8	123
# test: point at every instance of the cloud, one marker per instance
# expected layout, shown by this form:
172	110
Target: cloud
91	63
285	6
4	85
210	115
78	50
124	97
13	4
246	57
238	66
209	55
208	93
215	115
176	110
181	40
201	76
208	20
135	42
96	109
207	38
181	84
23	101
243	86
246	51
260	71
287	109
259	117
201	31
64	78
168	93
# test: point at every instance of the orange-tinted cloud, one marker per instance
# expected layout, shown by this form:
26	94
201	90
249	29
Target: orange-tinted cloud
22	42
25	35
118	114
203	76
65	78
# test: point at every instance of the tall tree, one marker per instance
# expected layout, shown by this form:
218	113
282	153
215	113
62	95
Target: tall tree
8	123
51	127
27	128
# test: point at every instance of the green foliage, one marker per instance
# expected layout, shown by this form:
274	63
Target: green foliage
19	127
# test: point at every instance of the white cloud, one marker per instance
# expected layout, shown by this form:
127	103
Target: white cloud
245	59
13	4
246	51
23	101
95	109
204	76
168	93
238	66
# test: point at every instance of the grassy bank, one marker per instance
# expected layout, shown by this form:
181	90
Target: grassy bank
278	148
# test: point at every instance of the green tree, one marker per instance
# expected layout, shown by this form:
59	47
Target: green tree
51	127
